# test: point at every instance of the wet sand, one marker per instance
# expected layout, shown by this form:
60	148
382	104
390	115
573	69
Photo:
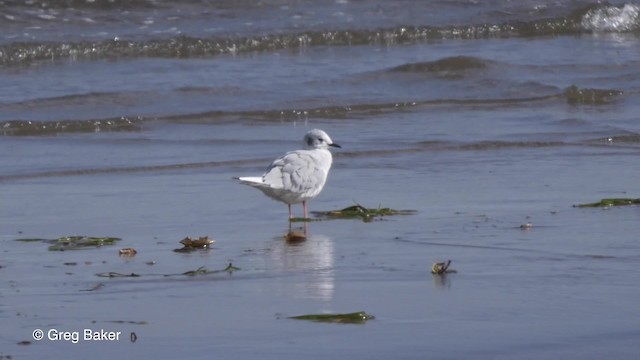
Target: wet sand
563	289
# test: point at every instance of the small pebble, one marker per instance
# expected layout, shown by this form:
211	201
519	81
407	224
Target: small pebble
526	226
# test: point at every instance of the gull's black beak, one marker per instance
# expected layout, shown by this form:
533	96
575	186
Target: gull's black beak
335	145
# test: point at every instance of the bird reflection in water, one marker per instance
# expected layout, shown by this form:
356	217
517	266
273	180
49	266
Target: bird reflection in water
311	259
441	281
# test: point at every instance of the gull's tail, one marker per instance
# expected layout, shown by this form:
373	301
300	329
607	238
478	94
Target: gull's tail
250	180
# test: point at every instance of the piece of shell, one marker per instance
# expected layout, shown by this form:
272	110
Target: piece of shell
526	226
127	252
439	268
201	242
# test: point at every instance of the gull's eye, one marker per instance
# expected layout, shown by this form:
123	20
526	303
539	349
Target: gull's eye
320	140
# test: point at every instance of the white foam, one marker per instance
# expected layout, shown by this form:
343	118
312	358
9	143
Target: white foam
612	19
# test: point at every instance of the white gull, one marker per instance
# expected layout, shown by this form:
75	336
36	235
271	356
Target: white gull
299	175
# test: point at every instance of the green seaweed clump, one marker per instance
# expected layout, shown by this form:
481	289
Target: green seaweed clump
75	242
611	202
81	242
113	274
360	212
359	317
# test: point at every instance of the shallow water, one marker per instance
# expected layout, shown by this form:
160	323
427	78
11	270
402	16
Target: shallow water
480	116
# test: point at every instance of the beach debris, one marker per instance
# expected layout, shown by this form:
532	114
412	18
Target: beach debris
359	317
360	212
295	236
526	226
189	244
32	240
199	271
127	252
74	242
611	202
81	242
112	274
95	287
201	242
202	270
441	268
132	322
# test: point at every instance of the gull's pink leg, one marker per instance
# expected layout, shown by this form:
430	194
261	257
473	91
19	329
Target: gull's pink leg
290	213
304	208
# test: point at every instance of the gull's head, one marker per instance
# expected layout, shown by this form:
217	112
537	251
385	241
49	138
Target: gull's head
318	139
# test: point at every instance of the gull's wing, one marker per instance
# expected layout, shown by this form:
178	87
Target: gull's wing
296	171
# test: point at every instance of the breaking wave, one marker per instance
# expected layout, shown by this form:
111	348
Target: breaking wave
612	19
572	95
591	19
23	127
